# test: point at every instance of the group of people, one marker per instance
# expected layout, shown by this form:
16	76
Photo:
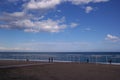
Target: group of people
51	59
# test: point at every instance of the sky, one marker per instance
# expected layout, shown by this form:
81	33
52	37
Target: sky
60	25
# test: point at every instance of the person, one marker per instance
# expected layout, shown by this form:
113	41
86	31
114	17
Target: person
87	60
110	61
27	59
49	60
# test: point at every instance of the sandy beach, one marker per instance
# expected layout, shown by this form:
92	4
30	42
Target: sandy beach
59	71
17	62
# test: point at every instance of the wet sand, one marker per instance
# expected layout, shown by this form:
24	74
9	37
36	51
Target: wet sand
60	71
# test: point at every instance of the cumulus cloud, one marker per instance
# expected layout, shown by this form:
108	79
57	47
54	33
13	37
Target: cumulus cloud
31	18
46	26
88	9
42	4
31	23
46	4
97	1
112	38
27	25
17	14
8	17
80	2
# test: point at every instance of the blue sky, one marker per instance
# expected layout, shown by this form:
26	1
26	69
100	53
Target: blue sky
60	25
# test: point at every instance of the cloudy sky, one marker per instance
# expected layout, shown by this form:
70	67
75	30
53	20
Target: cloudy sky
60	25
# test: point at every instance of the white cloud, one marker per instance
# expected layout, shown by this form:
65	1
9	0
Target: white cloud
46	26
42	4
17	14
112	38
73	25
97	1
88	9
38	18
47	4
80	2
8	17
36	26
59	11
87	29
31	23
31	18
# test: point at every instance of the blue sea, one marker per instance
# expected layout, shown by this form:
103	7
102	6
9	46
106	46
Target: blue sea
93	57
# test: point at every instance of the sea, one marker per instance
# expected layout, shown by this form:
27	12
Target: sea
83	57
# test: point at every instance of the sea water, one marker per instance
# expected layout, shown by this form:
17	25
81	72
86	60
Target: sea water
91	57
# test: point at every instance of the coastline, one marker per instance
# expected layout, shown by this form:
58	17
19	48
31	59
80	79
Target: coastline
92	57
19	61
59	71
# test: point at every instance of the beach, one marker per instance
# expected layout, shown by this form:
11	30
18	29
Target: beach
58	71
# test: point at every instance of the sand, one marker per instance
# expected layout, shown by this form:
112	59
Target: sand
60	71
17	62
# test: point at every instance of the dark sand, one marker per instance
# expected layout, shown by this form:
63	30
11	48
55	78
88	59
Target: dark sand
17	62
60	71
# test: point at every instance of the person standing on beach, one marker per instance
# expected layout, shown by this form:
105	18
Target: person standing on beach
87	60
110	61
51	59
27	59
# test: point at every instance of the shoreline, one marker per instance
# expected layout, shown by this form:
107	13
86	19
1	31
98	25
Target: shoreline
59	71
46	61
